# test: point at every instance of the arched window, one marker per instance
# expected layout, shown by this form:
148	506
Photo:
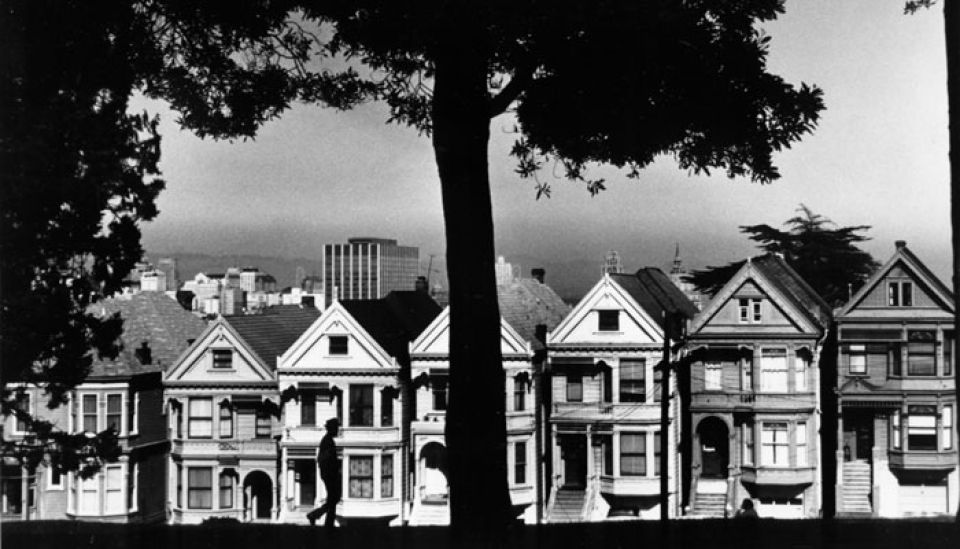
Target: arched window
227	482
226	420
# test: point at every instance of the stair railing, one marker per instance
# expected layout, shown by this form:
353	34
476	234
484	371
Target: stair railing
593	484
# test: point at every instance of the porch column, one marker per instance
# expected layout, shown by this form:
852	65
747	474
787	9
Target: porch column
590	464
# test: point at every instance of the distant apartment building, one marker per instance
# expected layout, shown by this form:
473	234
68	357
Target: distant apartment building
612	264
368	268
252	280
505	271
153	280
896	397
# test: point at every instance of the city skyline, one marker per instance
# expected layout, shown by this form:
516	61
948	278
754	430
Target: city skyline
316	175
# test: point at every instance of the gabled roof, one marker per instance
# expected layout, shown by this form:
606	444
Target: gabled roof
271	332
912	262
395	320
150	317
655	293
527	302
771	271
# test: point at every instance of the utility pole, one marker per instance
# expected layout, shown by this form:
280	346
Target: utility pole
665	448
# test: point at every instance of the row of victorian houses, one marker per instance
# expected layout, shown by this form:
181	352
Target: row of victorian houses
776	398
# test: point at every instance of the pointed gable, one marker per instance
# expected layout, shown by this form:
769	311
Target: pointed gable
928	295
765	295
435	339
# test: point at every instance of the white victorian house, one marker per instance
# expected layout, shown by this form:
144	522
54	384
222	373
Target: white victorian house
350	364
430	367
224	413
603	401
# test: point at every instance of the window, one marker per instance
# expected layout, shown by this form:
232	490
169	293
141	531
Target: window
133	412
386	407
339	345
89	403
633	454
114	412
633	382
308	408
519	394
23	404
712	376
748	443
657	384
199	488
896	359
386	476
223	359
133	487
180	486
895	426
949	341
520	463
800	437
226	421
574	388
113	487
900	294
774	445
608	321
799	373
921	353
200	423
263	427
90	495
946	422
773	371
857	357
54	476
361	477
656	453
746	378
922	427
607	449
750	310
361	405
439	395
226	490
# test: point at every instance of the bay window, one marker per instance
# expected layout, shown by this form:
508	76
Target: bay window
520	463
922	427
361	405
361	476
386	407
308	408
800	368
199	487
800	437
895	426
226	420
89	412
774	445
200	421
921	353
386	476
226	490
748	443
712	376
633	382
113	488
633	454
656	453
946	422
114	411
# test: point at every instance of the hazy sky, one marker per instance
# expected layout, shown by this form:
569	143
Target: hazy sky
878	157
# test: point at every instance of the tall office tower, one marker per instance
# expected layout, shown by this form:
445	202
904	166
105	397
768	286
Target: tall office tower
504	271
368	268
169	267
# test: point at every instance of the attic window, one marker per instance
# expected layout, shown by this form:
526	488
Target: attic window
222	359
608	321
900	294
338	345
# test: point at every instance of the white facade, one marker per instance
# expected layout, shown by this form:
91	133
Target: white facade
430	364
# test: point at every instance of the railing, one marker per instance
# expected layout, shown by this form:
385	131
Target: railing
590	499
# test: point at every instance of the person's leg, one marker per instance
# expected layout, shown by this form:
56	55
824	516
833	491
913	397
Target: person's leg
333	499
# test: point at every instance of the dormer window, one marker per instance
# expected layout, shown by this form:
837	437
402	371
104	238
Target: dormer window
222	359
900	294
338	345
608	321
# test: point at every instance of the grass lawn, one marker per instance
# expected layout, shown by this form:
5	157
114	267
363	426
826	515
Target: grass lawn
684	534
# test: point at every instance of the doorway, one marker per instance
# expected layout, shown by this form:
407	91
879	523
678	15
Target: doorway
714	447
257	496
857	435
573	451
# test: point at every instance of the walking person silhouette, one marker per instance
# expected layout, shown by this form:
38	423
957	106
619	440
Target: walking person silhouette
330	473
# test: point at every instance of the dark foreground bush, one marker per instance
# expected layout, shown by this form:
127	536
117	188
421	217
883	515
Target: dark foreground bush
685	534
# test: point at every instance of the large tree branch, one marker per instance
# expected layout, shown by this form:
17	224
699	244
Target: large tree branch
500	102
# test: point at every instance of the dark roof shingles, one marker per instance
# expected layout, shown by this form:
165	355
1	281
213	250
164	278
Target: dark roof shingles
270	333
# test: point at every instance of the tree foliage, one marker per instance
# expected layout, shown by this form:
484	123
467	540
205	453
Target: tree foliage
826	256
77	175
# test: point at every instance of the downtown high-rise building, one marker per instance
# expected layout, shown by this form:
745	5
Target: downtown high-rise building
368	268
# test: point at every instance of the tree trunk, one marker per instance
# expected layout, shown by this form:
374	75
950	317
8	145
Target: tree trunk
951	20
475	422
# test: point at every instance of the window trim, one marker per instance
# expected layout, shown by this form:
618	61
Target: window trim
936	434
221	490
84	397
106	412
351	477
634	382
520	462
642	453
191	418
217	361
765	387
801	444
384	477
612	324
946	427
225	406
191	489
778	447
519	395
338	339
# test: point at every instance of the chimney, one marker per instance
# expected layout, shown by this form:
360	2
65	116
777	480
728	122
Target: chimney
538	274
143	354
421	285
540	332
901	244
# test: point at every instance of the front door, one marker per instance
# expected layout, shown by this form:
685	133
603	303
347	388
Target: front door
857	436
573	450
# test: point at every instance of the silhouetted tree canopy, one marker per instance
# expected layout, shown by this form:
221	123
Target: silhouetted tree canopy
826	256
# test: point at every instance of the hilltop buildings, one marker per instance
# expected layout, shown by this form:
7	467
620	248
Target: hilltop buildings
368	268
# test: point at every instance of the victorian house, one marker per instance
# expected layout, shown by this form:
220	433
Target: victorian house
896	439
123	394
351	364
753	355
224	410
430	366
603	400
